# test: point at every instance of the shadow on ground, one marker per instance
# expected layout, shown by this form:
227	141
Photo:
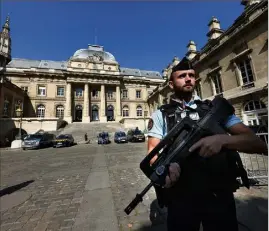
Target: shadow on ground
252	215
14	188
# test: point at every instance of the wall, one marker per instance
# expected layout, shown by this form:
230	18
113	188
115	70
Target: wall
51	100
253	37
133	123
30	125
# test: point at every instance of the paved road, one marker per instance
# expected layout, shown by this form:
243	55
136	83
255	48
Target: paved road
84	187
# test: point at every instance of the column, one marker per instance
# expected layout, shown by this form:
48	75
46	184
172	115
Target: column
67	110
118	104
160	99
213	86
103	104
86	117
238	74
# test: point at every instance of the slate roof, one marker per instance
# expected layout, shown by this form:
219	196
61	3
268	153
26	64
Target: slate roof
62	65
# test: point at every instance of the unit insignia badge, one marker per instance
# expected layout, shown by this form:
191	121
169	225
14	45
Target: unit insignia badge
150	124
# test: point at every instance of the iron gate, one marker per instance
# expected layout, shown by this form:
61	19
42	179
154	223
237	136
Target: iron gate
256	165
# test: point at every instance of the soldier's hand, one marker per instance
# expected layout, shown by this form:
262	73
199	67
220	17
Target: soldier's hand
208	146
173	176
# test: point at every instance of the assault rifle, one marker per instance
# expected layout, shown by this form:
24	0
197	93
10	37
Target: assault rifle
185	133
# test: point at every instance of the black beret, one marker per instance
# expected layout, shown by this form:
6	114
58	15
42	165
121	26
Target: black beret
184	64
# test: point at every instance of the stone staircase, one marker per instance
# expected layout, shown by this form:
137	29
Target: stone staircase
78	130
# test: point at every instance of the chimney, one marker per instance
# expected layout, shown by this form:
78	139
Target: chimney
164	73
175	61
214	29
247	3
192	50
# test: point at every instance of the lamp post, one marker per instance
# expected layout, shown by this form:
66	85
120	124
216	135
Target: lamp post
19	113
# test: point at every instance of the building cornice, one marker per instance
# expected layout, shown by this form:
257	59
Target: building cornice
159	89
77	76
246	20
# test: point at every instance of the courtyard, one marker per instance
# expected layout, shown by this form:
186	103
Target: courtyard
87	187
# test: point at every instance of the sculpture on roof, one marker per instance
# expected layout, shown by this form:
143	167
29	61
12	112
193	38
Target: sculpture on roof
95	58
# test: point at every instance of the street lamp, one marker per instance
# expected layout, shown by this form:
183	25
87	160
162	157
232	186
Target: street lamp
19	113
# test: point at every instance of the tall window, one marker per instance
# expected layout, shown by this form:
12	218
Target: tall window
79	92
60	111
6	108
256	113
124	94
198	89
146	113
139	111
95	93
217	83
60	91
246	71
125	111
110	94
40	111
41	91
138	94
25	89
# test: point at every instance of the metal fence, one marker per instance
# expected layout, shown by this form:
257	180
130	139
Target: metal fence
256	165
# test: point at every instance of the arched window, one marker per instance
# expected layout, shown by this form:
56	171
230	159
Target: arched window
60	111
78	107
95	113
40	111
255	113
95	107
110	107
254	105
78	92
125	111
139	111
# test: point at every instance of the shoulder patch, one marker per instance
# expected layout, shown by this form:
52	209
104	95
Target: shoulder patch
150	124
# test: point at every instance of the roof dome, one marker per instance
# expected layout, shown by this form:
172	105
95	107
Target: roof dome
94	53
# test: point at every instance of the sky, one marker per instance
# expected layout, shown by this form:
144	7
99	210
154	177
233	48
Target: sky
140	34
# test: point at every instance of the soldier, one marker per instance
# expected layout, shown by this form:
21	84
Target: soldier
190	193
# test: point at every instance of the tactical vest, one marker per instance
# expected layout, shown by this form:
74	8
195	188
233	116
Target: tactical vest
200	175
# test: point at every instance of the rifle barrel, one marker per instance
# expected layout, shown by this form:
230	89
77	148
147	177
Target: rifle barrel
137	199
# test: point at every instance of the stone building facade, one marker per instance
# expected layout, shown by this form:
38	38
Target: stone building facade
90	86
233	63
11	96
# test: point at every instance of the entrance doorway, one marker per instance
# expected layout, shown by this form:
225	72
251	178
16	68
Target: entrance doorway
95	113
78	113
110	113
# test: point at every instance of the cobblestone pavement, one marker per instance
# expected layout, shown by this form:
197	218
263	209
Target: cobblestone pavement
87	187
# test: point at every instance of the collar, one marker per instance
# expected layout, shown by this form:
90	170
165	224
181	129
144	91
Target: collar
182	104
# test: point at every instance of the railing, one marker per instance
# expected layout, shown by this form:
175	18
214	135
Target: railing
256	165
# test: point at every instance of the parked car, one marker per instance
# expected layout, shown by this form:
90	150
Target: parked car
63	140
120	137
103	138
136	135
35	141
